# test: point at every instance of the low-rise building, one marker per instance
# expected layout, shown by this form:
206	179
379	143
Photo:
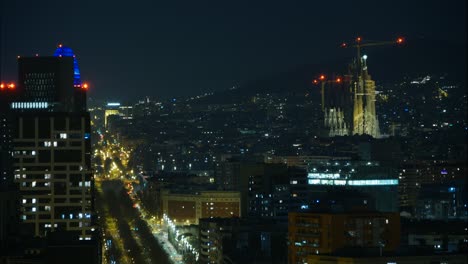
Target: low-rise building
187	208
327	233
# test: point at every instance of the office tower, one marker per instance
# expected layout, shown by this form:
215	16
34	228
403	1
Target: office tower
9	201
52	167
51	148
50	83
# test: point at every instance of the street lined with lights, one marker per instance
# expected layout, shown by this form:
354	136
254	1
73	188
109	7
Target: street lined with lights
127	236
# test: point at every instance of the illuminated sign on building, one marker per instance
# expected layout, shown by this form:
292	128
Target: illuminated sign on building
353	182
373	182
29	105
323	175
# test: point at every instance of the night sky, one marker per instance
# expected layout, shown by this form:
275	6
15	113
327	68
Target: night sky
129	49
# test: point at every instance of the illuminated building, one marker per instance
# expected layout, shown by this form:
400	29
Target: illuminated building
330	233
365	119
50	83
339	117
337	106
187	209
428	188
111	109
53	169
116	109
309	187
254	180
52	148
348	103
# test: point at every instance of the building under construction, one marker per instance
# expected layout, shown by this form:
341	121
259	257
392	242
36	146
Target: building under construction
348	102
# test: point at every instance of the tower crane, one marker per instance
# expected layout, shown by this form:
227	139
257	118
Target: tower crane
364	117
323	80
360	44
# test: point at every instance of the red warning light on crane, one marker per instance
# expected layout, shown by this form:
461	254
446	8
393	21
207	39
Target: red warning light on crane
400	40
338	80
322	77
315	81
358	39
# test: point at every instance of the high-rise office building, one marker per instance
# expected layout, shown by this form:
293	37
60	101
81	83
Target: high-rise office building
50	83
9	202
52	162
51	146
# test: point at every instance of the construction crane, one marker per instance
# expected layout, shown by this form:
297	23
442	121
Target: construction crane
362	87
360	44
323	80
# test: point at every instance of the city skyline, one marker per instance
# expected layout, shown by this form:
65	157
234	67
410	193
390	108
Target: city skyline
217	132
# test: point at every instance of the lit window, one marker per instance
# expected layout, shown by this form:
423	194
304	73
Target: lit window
55	143
33	184
24	201
33	209
63	135
34	200
33	152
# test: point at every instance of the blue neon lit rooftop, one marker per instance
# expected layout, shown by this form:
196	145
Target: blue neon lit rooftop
63	51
